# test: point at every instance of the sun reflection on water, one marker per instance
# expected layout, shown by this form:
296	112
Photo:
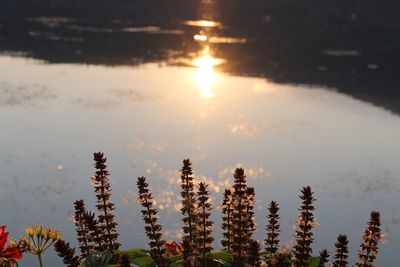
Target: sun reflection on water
206	76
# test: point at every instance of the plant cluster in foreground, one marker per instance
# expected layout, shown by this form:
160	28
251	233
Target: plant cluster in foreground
97	233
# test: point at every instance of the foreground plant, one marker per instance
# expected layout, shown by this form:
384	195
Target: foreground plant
239	218
204	224
66	253
341	252
125	260
271	242
227	210
152	228
371	238
253	256
95	233
9	254
39	239
82	230
239	248
304	235
102	188
250	214
98	259
172	249
323	258
188	209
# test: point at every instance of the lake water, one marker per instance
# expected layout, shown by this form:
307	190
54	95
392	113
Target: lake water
201	100
148	119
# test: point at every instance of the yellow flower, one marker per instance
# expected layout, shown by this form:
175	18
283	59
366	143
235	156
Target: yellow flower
29	231
56	234
40	238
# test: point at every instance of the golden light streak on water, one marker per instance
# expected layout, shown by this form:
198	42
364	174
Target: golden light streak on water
206	76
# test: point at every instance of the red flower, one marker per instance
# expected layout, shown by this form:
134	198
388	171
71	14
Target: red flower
9	254
172	248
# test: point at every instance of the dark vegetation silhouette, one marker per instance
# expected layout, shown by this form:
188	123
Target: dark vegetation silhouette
102	188
304	235
125	260
152	228
323	258
82	229
253	255
271	242
203	224
196	246
347	45
371	238
227	210
67	253
188	206
342	252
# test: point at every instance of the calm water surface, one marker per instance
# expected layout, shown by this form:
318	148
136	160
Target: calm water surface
147	119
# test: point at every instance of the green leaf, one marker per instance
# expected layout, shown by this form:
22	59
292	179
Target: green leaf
222	255
138	256
145	261
175	258
218	263
313	261
105	258
134	252
98	259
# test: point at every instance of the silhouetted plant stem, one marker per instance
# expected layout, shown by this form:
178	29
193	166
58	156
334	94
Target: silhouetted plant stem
371	238
323	258
341	252
271	242
188	209
103	192
66	253
187	258
40	259
240	234
250	203
153	229
304	236
95	231
227	209
204	225
82	230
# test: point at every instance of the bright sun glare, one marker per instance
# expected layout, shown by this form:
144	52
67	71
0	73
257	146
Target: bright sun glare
206	76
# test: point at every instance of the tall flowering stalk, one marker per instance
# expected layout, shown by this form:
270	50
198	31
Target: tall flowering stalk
227	210
371	238
342	252
39	239
102	188
239	218
304	235
323	258
188	209
204	224
95	233
152	228
82	231
66	253
9	253
250	215
271	241
187	258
